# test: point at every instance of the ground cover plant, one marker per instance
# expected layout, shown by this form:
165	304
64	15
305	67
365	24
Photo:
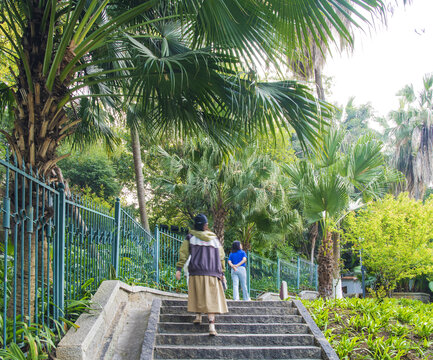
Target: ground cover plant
377	329
38	341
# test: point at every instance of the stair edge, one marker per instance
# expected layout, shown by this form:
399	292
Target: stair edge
150	334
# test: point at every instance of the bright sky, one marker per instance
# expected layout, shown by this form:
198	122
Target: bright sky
386	60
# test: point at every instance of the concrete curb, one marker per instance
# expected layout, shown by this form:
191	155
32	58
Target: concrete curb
138	289
88	342
328	353
150	335
77	343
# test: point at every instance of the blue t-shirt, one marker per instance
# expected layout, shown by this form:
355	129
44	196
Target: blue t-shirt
237	257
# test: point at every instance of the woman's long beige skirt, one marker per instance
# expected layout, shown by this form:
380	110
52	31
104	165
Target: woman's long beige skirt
206	295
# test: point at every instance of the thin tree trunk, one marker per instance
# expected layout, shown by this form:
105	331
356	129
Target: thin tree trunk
326	266
314	232
336	275
136	153
319	83
219	218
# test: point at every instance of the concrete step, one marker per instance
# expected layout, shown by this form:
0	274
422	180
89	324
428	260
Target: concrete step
236	352
238	310
244	328
236	340
235	319
232	303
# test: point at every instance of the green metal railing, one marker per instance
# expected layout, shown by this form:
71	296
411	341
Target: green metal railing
136	250
54	246
168	245
30	246
89	239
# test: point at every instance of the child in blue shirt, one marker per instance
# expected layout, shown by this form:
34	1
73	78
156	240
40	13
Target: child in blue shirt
237	260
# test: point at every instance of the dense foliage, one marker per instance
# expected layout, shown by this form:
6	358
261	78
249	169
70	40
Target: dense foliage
95	171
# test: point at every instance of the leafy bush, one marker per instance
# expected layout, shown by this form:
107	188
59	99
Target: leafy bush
395	237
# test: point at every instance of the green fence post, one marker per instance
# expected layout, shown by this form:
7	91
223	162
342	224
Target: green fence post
6	227
116	242
156	252
60	281
278	273
298	275
249	273
316	275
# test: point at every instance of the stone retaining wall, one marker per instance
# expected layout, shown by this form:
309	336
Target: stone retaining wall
425	298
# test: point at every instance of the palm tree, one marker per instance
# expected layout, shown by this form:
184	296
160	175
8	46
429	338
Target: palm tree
412	137
56	68
243	183
63	50
217	103
331	185
77	49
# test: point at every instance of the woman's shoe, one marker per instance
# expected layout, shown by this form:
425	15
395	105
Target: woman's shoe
212	331
197	320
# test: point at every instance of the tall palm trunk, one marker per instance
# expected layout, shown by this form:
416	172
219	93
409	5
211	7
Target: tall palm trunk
326	266
136	153
40	125
218	224
40	120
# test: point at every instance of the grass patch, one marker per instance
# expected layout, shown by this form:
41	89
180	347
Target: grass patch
378	329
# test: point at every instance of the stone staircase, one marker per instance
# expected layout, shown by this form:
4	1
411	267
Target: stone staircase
251	330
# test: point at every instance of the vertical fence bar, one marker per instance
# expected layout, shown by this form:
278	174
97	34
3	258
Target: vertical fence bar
37	255
116	242
298	274
15	232
61	250
42	258
156	256
16	179
6	227
22	243
29	231
278	273
56	257
249	258
316	272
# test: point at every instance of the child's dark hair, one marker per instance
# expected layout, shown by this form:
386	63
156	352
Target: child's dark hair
236	246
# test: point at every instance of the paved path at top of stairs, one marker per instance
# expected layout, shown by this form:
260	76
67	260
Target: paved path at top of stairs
251	330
